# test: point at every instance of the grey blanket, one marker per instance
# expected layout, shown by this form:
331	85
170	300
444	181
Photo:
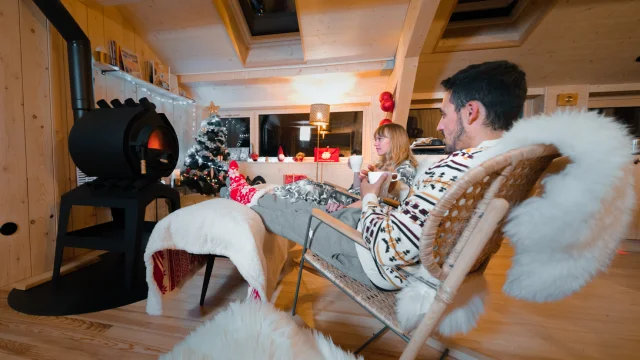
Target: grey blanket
290	218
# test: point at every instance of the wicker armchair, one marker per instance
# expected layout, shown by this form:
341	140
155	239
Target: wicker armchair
462	233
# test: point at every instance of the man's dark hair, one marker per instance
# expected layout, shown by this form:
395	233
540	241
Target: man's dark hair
500	86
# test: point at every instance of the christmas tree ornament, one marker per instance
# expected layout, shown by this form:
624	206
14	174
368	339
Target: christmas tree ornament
299	157
385	122
387	105
254	156
280	154
212	109
385	96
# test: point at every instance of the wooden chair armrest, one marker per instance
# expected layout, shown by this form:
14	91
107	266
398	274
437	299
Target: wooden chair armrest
339	226
391	202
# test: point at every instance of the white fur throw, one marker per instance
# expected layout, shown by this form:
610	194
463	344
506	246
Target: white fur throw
561	238
571	232
255	330
218	226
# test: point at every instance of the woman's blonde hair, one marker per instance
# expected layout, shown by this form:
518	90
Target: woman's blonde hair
400	147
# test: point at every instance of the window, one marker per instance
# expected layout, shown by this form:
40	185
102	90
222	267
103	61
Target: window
269	17
467	10
294	134
237	131
629	116
423	123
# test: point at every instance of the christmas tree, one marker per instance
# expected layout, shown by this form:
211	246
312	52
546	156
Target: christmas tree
206	164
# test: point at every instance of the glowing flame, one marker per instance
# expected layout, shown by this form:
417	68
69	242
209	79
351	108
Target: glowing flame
155	140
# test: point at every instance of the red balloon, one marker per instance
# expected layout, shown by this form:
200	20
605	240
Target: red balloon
386	96
385	122
387	105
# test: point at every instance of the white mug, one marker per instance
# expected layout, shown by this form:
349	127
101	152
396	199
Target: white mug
355	161
375	175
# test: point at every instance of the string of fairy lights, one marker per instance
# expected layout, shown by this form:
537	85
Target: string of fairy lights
182	100
238	125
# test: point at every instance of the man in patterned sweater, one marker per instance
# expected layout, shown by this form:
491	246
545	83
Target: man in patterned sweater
481	102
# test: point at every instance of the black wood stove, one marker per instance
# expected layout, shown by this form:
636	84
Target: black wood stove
128	147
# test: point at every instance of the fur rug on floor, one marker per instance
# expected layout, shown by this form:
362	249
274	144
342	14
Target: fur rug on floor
255	330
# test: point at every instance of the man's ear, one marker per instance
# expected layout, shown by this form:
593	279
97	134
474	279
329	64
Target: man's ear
473	112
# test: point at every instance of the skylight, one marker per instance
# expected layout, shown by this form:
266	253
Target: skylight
469	10
270	17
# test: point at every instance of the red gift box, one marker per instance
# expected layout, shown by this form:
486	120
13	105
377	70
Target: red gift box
289	178
326	154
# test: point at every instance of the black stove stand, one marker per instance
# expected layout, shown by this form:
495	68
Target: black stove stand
127	232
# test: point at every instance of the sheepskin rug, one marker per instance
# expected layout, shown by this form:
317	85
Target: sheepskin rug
255	330
569	233
564	235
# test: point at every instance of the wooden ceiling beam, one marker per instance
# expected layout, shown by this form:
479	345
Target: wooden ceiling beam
249	74
234	29
424	24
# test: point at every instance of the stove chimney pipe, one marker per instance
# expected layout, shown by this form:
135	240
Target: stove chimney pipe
78	52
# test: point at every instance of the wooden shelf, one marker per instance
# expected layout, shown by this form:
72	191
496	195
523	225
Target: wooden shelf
144	85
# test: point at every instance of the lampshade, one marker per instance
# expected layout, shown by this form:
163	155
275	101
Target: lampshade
319	114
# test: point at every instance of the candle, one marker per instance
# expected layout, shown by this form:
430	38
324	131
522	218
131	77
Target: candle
175	177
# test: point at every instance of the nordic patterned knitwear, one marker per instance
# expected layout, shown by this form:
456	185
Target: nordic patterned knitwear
393	235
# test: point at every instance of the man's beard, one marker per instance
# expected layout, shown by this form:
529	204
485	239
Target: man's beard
452	145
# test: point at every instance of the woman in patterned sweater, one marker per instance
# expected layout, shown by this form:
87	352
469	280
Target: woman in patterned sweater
392	145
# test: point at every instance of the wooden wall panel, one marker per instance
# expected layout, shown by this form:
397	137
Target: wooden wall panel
15	259
95	25
38	136
113	31
128	36
35	120
59	100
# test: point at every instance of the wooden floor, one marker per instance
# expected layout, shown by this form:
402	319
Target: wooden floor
601	322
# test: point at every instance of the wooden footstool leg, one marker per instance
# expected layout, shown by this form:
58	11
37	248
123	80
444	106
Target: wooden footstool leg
207	277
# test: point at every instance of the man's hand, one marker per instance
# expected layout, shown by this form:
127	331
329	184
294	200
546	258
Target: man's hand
366	188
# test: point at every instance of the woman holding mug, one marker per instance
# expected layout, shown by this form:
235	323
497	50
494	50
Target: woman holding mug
393	148
392	145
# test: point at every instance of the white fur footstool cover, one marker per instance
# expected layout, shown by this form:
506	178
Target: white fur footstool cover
255	330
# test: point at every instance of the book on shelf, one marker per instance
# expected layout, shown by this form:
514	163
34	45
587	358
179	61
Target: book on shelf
130	63
160	75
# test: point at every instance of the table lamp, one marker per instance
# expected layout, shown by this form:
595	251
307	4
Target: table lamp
319	116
